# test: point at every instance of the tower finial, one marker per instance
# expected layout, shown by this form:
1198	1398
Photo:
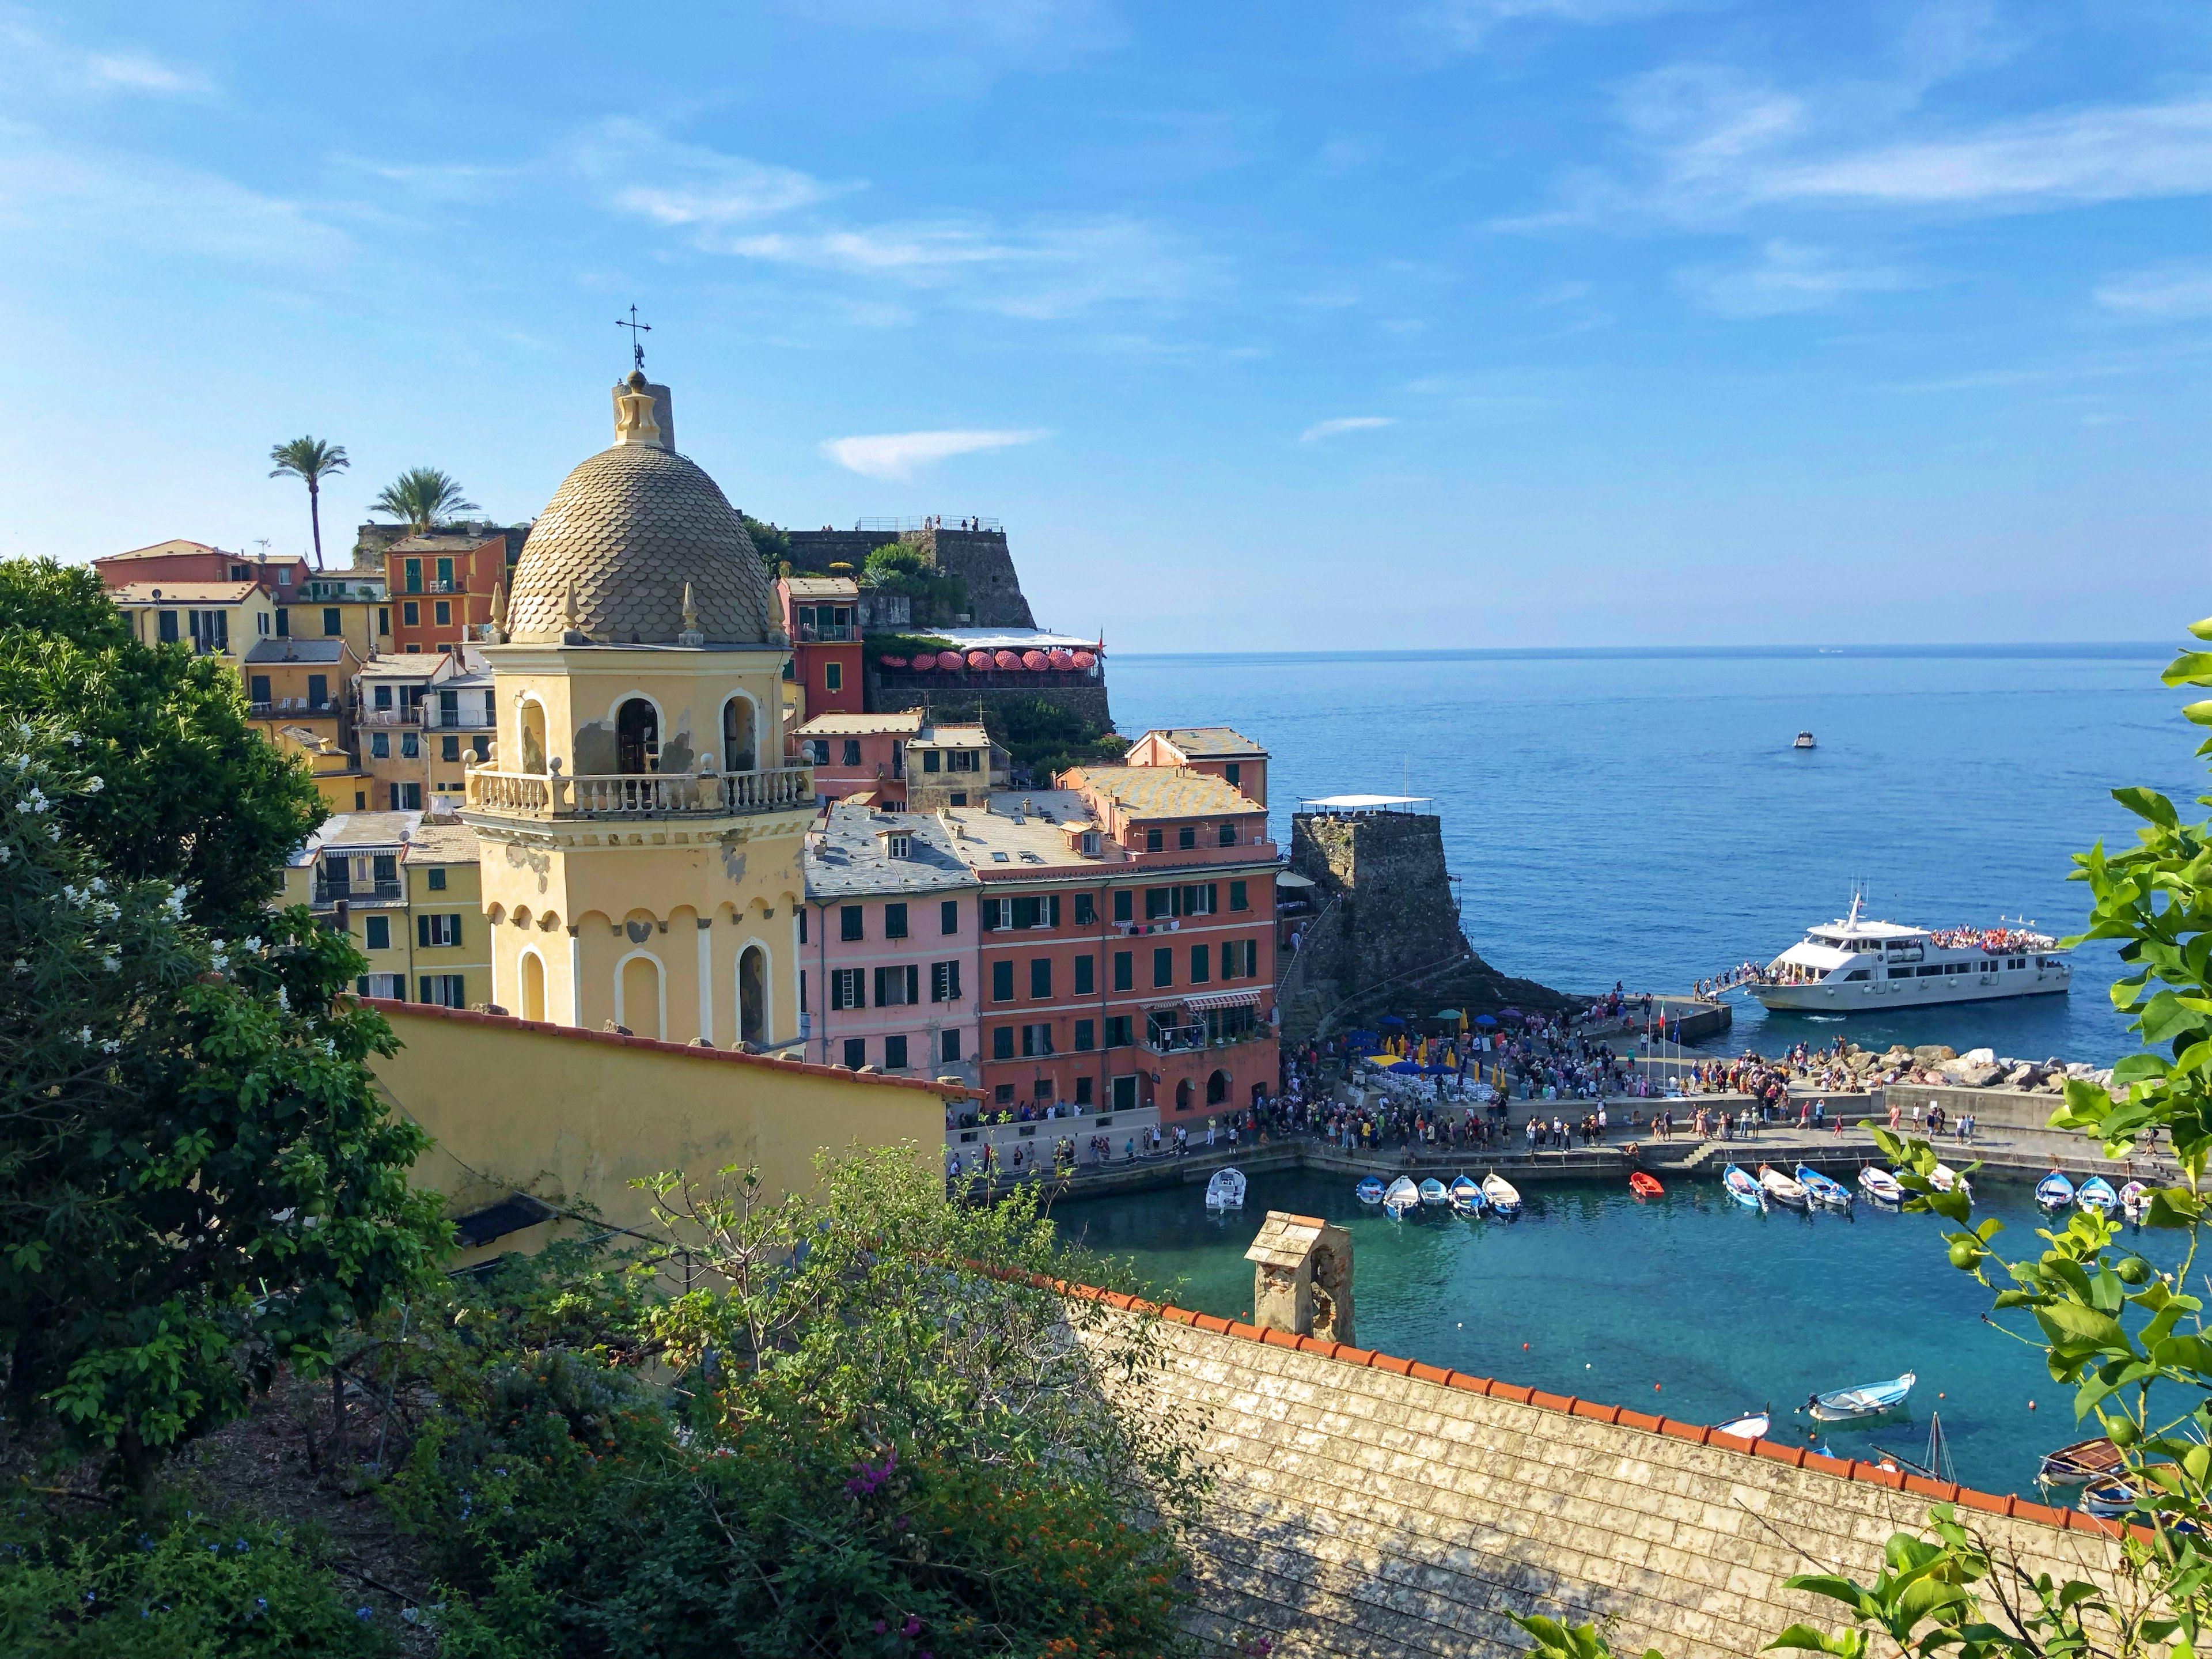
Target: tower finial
690	636
571	633
636	345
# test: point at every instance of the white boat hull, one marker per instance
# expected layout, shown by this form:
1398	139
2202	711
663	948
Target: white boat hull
1868	996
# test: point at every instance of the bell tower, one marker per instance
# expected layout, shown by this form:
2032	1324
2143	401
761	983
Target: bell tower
640	834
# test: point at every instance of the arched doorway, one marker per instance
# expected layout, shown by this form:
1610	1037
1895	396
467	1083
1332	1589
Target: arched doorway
533	738
637	996
752	995
637	737
1182	1095
533	986
1217	1089
739	740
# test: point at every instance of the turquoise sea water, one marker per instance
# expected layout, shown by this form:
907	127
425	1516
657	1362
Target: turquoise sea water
1641	816
1722	1309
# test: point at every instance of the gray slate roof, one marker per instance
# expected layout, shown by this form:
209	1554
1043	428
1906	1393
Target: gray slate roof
629	528
280	652
847	861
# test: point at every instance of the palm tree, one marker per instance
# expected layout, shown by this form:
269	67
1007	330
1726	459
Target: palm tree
310	460
424	497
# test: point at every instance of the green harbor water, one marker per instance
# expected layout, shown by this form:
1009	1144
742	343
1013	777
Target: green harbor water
1688	1305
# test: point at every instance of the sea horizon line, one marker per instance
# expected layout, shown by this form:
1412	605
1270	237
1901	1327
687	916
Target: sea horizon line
2088	650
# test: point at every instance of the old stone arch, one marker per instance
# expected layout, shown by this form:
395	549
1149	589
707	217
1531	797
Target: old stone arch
752	994
641	995
532	716
533	986
1182	1094
637	737
1217	1088
740	738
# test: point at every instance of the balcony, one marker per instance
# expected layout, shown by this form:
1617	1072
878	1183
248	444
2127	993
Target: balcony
329	893
390	717
460	719
814	634
640	795
295	708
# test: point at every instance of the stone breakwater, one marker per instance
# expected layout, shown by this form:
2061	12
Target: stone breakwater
1858	1069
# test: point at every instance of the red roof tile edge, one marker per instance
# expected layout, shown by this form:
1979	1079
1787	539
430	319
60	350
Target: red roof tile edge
1798	1457
429	1011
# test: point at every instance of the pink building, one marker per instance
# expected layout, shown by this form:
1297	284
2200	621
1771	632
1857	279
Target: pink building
888	946
1216	751
860	755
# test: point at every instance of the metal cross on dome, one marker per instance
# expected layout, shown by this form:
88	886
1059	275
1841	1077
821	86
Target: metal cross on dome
636	345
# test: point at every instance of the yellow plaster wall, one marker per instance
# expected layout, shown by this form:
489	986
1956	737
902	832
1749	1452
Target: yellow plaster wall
570	1115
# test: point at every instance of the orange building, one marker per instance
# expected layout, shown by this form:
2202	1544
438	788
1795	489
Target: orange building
1215	751
1126	954
440	587
181	561
822	617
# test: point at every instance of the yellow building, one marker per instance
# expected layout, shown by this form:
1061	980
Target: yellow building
216	619
641	839
405	888
345	605
423	720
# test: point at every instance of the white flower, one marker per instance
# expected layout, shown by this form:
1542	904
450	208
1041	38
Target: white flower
253	945
114	965
21	966
95	885
76	741
283	1000
111	1047
53	832
92	786
84	1034
34	802
6	852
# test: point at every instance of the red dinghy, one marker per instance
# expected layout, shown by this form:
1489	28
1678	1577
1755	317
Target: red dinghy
1644	1185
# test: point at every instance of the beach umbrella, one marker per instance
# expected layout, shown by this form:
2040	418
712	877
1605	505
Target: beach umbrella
1483	1020
979	660
1035	661
892	662
1061	659
1392	1019
948	660
1084	659
925	662
1449	1013
1006	659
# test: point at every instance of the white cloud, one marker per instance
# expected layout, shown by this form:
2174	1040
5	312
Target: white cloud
39	67
1787	278
138	74
898	455
2166	292
68	201
644	173
1320	429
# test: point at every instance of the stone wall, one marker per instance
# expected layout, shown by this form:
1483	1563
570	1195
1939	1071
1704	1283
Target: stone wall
1369	1505
1087	700
1385	937
980	558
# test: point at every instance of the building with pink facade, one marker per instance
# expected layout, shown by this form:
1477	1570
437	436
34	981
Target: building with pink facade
888	944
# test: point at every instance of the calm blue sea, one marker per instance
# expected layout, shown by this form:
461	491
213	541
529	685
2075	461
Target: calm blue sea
1639	814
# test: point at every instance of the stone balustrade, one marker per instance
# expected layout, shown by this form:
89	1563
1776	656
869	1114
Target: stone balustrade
640	795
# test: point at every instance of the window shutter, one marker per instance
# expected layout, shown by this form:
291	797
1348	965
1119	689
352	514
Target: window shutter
1052	905
913	984
881	982
954	969
422	936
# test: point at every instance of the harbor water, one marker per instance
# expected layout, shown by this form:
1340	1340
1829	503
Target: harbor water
1688	1305
1641	816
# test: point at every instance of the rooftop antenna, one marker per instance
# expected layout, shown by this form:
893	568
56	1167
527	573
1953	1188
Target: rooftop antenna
636	345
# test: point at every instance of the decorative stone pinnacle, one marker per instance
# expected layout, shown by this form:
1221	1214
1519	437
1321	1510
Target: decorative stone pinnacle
690	636
571	633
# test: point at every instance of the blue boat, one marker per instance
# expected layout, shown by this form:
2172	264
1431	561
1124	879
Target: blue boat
1432	1192
1743	1189
1831	1195
1867	1399
2054	1192
1501	1195
1368	1191
1466	1196
1401	1198
2096	1194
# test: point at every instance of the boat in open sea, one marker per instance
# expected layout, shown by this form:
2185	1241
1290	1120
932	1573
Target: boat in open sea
1867	1399
1853	966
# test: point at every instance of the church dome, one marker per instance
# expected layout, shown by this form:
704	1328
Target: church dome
626	533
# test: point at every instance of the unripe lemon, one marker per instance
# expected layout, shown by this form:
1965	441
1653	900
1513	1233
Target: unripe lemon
2133	1270
1964	1255
2121	1431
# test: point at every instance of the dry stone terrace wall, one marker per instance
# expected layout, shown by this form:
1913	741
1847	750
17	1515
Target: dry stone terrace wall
1372	1506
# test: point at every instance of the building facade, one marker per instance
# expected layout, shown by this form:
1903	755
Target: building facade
822	616
404	887
442	587
642	841
888	935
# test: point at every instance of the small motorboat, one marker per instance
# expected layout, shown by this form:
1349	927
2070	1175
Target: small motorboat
1781	1190
1804	741
1751	1425
1369	1190
1867	1399
2096	1195
1879	1185
1432	1192
2135	1199
1943	1178
1503	1197
2082	1461
1466	1196
1226	1190
1831	1194
2054	1192
1401	1198
1644	1185
1743	1189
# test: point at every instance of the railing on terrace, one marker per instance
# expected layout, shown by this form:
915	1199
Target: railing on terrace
639	795
987	679
391	717
462	719
1184	1039
924	524
815	634
356	892
279	706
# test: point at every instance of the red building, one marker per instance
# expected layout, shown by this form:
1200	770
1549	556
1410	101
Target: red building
822	617
441	586
1126	954
181	561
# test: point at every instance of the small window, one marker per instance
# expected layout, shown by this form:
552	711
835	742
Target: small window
376	932
894	921
443	611
1124	904
802	924
1086	911
256	690
437	880
1233	773
1086	975
449	748
894	1052
1082	1092
856	1053
380	745
959	798
1186	838
1089	843
948	1046
333	622
833	679
999	858
852	752
898	847
383	620
1002	1048
1002	981
1855	972
1086	1036
1239	898
166	626
948	916
1125	970
1200	964
1229	835
1152	841
1040	977
850	926
412	614
1117	1031
929	758
944	981
1163	967
848	988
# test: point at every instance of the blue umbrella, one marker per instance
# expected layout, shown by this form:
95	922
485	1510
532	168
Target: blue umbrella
1392	1019
1403	1065
1483	1020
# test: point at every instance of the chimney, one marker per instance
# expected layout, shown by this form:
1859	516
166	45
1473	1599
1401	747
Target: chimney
1302	1277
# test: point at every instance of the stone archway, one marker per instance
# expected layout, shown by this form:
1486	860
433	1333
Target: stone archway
1182	1094
1217	1089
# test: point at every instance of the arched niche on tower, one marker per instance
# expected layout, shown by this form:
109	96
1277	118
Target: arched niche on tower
741	728
531	1003
756	992
529	735
641	994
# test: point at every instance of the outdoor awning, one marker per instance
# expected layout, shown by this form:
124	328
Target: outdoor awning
1213	999
1292	878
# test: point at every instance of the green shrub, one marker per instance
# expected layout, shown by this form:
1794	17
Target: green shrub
189	1586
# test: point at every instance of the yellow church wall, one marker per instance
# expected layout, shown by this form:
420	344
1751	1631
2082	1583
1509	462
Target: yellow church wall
580	690
573	1116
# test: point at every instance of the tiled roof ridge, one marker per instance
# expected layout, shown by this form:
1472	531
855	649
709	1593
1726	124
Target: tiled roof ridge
1798	1457
430	1011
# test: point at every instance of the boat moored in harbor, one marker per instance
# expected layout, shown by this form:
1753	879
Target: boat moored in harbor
1501	1194
1867	1399
1828	1193
1432	1192
1781	1190
1644	1185
1369	1190
1226	1190
2096	1195
1743	1189
2054	1193
1879	1185
2135	1199
1751	1425
1855	966
1466	1196
1401	1198
2083	1461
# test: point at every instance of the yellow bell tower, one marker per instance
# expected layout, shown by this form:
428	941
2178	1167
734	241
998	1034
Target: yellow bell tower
640	834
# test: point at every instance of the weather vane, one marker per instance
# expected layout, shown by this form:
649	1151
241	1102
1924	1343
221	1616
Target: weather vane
636	345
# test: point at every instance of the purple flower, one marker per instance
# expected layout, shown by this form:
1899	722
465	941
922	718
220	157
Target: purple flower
881	1627
912	1627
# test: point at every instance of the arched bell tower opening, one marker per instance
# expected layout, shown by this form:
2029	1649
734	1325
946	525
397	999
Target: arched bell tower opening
637	737
532	714
752	995
739	738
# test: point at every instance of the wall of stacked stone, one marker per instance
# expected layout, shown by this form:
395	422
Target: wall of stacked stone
1088	700
1366	1505
982	559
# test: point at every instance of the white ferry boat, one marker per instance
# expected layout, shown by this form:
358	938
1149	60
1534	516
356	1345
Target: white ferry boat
1854	966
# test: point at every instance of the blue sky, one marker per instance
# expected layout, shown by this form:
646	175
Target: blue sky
1453	322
